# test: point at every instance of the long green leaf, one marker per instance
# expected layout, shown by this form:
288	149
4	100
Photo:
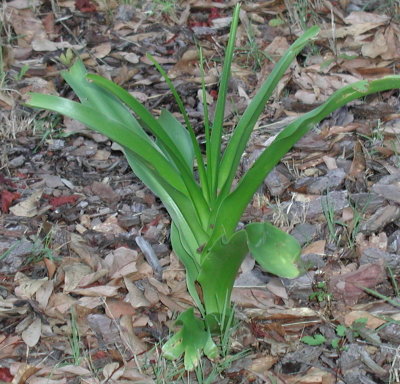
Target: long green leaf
196	146
233	206
187	255
217	127
156	128
179	135
99	99
237	144
117	132
179	206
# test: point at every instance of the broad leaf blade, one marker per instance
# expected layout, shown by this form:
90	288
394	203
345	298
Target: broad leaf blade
274	250
192	340
186	252
219	268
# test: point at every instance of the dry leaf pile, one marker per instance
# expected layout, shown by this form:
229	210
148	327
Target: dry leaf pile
88	283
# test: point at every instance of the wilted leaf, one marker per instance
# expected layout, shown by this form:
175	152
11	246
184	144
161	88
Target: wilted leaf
7	198
31	335
28	207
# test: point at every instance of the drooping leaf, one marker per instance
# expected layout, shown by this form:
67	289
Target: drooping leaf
274	250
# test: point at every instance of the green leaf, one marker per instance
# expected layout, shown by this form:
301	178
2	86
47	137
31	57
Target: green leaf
341	330
274	250
237	144
214	147
219	268
165	135
179	206
186	252
232	207
192	340
317	339
179	135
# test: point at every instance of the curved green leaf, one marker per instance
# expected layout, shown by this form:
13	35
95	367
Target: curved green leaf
237	144
117	132
274	250
179	135
232	207
218	271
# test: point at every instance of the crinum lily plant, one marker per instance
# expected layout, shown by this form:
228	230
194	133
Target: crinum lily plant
205	206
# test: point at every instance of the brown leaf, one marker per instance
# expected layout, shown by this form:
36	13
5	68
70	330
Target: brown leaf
349	285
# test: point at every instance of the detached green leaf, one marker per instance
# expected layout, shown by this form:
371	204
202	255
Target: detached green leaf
276	251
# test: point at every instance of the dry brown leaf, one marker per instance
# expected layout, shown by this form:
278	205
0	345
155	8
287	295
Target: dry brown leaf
372	321
135	296
26	26
102	50
128	336
74	273
277	288
110	225
41	380
28	207
43	294
98	291
59	304
27	287
348	286
121	262
312	376
263	364
117	308
317	247
25	371
31	335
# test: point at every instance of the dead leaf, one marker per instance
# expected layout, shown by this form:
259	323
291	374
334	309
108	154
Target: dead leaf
74	274
317	247
135	296
372	321
348	286
98	291
25	371
31	335
28	207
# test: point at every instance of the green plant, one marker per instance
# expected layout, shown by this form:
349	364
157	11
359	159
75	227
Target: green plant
75	339
205	210
22	72
335	342
321	293
254	55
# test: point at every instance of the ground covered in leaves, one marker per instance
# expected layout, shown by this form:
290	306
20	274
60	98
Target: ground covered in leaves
89	286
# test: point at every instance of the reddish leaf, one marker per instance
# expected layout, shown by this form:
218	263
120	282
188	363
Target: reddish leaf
214	14
62	200
5	375
85	6
6	181
7	198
